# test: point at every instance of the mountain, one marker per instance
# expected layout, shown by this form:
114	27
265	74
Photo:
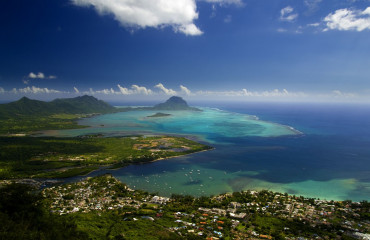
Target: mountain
78	105
83	104
174	103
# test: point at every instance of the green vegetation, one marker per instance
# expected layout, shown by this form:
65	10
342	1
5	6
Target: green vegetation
29	124
24	216
48	157
78	105
104	208
26	115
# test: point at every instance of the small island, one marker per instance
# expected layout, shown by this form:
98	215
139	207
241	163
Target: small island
159	114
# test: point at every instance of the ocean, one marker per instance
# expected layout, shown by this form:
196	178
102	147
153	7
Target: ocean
312	150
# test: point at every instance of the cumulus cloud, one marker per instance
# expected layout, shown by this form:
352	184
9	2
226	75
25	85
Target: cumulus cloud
123	90
287	15
179	14
141	90
135	89
242	94
165	90
40	75
246	93
105	91
37	90
346	19
185	90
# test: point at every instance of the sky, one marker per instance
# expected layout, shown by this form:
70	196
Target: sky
225	50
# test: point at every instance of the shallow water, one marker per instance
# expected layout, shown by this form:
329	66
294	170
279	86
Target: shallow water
331	160
209	125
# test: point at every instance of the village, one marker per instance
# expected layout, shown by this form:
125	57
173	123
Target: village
242	215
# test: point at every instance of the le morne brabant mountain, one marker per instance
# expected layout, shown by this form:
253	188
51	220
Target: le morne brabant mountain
174	103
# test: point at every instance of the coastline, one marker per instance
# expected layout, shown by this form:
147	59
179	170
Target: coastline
40	182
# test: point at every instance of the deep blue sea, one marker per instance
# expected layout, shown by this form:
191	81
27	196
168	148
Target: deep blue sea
330	160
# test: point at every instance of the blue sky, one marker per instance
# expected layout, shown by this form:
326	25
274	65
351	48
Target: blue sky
246	50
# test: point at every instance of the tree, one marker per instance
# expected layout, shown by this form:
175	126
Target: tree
23	216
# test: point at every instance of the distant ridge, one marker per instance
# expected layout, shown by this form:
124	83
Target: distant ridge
78	105
174	103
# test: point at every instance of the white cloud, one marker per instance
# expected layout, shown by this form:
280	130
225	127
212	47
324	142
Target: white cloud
105	91
40	75
223	2
25	81
185	90
312	5
189	29
141	90
246	93
32	75
313	24
338	93
228	19
281	30
123	90
286	14
346	19
165	90
135	89
139	93
180	14
36	90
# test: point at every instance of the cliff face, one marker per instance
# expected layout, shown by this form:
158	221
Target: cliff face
174	103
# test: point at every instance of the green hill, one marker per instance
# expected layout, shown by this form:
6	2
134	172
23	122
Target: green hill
78	105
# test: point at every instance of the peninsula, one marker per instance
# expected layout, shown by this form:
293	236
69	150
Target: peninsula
25	156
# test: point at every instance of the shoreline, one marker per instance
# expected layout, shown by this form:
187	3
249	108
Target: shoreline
43	181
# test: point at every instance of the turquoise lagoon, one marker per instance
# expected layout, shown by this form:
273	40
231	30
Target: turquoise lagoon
206	125
249	154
